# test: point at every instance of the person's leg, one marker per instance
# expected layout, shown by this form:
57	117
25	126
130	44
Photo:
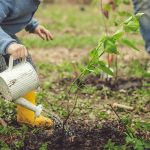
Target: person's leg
24	115
144	7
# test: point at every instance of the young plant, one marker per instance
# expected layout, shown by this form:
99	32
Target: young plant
108	44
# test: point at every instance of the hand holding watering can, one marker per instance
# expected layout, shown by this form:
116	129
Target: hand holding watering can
18	80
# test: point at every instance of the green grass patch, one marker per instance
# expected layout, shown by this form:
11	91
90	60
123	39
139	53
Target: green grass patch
63	41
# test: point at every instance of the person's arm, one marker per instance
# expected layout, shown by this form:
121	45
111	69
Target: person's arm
8	45
5	39
32	26
42	32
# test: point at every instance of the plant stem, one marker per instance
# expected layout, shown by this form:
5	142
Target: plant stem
116	66
103	17
120	120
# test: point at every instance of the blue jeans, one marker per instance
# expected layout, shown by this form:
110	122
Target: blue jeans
144	7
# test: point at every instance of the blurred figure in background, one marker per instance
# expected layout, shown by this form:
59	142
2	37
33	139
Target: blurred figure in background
144	7
139	6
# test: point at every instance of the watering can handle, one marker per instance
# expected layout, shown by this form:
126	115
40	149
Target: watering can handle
11	60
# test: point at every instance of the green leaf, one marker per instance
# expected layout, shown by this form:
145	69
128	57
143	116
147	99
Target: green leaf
139	15
94	52
129	44
105	68
128	20
110	46
132	26
118	34
89	70
132	23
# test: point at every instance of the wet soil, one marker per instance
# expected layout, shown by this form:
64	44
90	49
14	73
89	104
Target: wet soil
118	84
82	136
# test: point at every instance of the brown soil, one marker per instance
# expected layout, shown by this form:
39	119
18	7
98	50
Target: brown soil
59	55
83	137
115	85
112	84
80	136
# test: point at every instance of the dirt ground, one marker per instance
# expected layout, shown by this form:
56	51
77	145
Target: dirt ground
60	55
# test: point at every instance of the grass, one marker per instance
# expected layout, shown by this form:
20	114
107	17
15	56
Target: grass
71	27
66	41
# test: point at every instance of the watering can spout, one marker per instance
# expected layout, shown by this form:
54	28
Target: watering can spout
36	109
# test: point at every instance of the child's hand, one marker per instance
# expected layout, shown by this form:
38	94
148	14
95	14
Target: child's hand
43	33
17	51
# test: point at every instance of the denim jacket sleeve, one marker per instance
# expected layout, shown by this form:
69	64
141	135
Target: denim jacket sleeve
32	25
5	39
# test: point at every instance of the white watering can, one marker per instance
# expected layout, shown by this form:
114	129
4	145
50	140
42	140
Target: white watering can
18	80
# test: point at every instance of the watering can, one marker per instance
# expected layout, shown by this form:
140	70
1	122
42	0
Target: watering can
18	80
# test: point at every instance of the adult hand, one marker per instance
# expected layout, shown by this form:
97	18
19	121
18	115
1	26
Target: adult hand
43	33
17	51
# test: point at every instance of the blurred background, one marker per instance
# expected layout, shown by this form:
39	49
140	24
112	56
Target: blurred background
77	26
